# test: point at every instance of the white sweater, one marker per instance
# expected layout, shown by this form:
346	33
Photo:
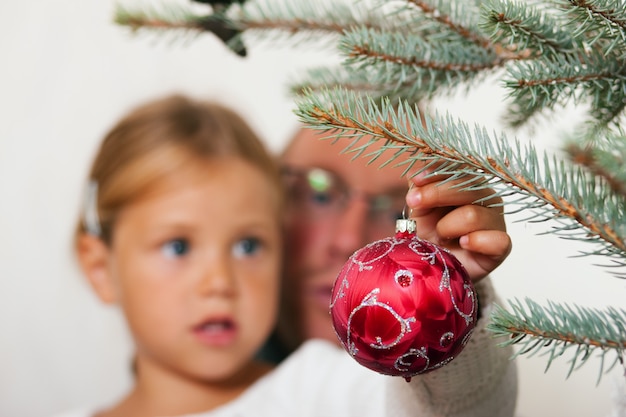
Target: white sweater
322	380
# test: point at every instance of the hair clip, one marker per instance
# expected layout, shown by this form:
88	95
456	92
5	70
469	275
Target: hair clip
90	209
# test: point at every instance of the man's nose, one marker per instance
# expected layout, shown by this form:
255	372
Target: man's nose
350	231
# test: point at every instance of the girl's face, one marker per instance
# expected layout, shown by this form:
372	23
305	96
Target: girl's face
195	267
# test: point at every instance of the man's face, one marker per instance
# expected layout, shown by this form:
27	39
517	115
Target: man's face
336	206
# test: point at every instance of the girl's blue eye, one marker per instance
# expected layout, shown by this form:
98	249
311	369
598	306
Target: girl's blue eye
246	247
176	247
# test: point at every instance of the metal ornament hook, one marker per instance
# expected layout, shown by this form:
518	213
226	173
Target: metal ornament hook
406	224
404	217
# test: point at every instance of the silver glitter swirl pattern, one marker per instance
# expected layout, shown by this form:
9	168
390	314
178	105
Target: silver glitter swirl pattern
445	279
363	265
403	365
371	300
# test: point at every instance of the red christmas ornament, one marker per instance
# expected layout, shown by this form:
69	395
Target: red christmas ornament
403	306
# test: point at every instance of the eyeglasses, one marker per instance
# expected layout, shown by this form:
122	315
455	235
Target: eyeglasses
320	194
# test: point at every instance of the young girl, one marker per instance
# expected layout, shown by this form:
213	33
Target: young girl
182	230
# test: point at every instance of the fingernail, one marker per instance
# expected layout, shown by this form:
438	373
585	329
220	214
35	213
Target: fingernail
418	179
415	176
463	241
414	197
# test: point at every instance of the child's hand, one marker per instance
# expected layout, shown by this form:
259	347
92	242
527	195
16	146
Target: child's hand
475	233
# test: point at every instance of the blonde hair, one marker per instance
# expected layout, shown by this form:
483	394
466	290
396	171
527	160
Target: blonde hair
158	138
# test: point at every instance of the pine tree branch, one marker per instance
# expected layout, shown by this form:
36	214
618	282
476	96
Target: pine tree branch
292	17
613	13
596	25
182	20
360	81
542	84
561	194
419	50
558	327
369	47
525	29
435	10
604	165
171	18
565	75
411	88
564	67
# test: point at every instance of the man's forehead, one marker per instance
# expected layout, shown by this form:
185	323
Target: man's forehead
310	142
309	149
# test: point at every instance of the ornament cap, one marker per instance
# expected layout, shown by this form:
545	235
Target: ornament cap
406	226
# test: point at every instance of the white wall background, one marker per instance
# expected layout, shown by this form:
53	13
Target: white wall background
66	74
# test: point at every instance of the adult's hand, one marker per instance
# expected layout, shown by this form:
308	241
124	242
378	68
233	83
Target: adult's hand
469	223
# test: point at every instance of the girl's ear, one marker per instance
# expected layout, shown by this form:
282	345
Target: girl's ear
93	256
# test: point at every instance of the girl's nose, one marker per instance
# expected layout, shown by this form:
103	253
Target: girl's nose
218	278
